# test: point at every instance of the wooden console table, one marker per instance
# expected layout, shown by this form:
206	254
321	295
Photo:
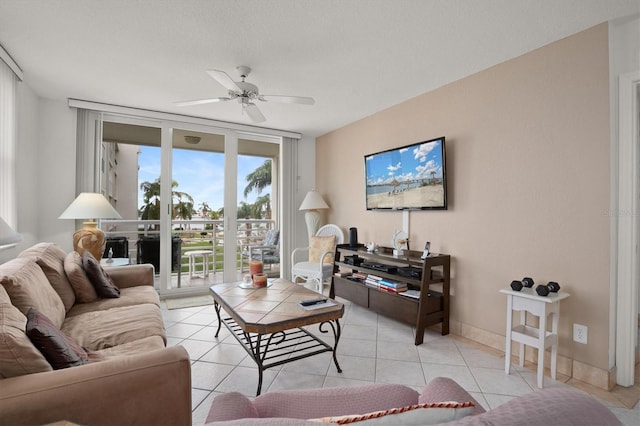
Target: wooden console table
429	278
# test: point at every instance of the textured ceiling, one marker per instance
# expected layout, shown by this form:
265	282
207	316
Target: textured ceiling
355	57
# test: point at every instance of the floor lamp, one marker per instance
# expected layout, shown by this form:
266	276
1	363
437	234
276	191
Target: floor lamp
90	206
310	205
8	237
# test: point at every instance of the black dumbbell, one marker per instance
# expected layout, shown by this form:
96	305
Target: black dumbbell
542	290
550	287
553	286
527	282
516	285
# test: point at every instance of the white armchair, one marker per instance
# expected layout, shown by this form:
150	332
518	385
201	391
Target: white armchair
315	263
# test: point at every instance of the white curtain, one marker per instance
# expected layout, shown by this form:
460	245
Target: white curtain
289	208
8	206
88	143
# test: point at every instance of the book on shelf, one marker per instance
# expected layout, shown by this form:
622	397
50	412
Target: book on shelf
388	289
342	274
414	294
392	283
392	289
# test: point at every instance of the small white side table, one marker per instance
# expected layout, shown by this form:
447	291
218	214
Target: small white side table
527	300
192	254
116	261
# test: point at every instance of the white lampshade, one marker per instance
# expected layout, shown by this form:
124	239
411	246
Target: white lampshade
313	201
89	205
8	237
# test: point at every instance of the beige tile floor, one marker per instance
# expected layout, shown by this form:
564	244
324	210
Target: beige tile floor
372	349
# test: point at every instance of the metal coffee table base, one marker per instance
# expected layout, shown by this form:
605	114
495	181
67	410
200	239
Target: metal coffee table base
270	350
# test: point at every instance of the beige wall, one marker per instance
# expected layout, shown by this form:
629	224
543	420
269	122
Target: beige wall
528	169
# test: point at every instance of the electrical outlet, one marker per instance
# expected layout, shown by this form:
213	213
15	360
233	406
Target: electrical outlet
580	333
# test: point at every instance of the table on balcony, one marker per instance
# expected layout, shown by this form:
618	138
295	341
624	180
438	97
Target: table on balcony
192	255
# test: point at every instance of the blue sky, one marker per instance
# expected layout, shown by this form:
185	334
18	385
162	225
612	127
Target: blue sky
199	174
405	164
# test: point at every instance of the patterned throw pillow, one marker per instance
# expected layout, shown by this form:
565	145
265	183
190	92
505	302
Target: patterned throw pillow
319	245
102	282
271	238
59	349
418	414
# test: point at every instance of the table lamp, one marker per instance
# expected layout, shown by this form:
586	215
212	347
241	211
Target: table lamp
90	206
311	204
8	237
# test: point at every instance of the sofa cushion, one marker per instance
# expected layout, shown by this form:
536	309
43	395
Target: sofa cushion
58	348
101	281
82	287
139	346
112	327
28	287
320	245
19	356
418	414
50	258
130	296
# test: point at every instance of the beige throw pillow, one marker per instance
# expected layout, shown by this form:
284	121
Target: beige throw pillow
50	258
28	287
319	245
17	353
82	287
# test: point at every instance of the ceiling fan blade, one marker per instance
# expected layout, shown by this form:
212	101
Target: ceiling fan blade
224	79
288	99
201	101
254	112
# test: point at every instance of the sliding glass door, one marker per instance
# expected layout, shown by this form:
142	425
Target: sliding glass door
221	192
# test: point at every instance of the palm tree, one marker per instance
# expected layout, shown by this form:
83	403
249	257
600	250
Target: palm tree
262	206
182	203
204	208
259	179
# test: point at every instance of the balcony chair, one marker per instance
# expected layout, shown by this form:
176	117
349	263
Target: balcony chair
268	251
315	263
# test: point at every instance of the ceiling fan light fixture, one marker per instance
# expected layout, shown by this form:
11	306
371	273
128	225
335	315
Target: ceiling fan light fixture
192	140
245	93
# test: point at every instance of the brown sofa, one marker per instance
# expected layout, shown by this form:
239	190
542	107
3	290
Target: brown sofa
128	375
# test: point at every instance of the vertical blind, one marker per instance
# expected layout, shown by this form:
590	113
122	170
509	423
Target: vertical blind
8	207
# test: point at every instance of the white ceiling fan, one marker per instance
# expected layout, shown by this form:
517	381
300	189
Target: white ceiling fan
246	94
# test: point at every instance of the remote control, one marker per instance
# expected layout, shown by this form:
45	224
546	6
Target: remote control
312	302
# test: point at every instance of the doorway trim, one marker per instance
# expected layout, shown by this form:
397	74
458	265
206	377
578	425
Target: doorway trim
624	216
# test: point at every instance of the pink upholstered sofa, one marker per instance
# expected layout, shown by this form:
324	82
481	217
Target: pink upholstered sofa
129	376
551	406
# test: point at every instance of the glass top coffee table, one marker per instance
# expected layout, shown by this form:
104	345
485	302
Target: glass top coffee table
268	322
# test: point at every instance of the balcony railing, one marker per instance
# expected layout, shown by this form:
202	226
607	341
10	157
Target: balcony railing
196	234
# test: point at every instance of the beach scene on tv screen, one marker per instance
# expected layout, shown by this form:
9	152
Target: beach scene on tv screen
410	177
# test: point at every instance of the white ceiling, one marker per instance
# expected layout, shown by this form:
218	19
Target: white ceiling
355	57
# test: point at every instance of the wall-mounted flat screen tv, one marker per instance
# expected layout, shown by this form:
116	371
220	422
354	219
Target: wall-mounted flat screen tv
412	177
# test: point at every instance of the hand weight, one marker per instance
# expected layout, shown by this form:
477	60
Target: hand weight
516	285
551	287
527	282
542	290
